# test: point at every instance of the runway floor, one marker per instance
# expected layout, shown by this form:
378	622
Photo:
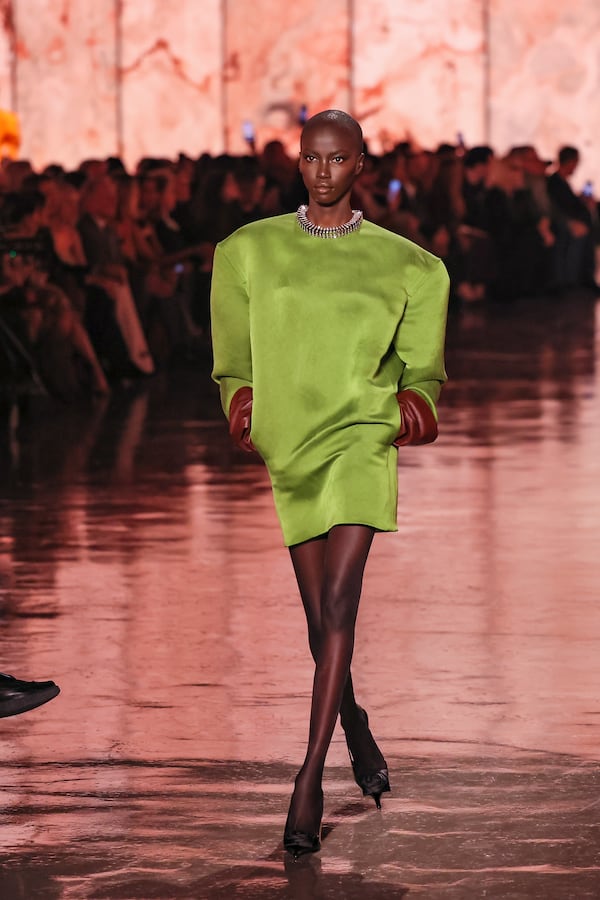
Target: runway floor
141	566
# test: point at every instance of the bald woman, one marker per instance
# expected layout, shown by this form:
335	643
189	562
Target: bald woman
328	337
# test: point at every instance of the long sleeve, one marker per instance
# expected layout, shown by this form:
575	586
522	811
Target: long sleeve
230	325
419	339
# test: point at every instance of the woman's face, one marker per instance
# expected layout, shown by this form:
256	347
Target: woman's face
69	205
330	160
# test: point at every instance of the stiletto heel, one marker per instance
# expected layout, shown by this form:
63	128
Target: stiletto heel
299	842
372	784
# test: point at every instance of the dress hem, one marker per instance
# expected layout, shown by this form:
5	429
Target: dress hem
317	534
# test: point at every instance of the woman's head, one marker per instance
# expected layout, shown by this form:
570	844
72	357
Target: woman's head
62	202
22	211
157	193
99	198
334	119
331	156
128	197
507	175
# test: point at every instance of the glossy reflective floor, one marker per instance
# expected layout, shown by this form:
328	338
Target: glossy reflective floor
142	567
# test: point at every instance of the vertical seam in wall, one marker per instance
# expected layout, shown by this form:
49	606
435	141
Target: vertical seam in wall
350	13
119	77
487	72
14	70
224	96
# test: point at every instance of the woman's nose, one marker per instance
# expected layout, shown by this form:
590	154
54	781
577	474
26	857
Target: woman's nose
323	169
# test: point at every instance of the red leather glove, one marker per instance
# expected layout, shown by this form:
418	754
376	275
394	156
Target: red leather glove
240	418
418	421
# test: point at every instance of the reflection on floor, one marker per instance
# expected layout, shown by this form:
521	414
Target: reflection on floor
141	566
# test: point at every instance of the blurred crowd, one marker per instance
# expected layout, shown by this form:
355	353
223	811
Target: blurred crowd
105	274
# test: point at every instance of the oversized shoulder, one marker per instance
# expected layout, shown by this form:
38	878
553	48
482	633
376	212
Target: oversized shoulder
371	248
286	226
253	236
399	252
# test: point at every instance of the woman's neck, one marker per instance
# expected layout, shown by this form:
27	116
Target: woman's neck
329	216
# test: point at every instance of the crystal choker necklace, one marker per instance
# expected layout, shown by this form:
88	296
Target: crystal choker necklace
333	232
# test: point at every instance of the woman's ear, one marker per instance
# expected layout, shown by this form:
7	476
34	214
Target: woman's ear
360	162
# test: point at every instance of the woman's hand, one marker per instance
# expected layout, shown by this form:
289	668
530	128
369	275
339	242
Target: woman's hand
240	418
418	423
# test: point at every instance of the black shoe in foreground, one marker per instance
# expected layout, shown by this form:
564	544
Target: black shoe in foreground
373	785
375	781
300	842
18	696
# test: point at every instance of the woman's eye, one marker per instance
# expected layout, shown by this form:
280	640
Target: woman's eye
338	159
309	157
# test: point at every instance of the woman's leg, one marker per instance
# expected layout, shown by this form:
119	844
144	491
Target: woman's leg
81	342
127	318
346	551
308	560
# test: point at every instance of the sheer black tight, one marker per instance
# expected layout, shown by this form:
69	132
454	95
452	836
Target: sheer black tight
329	571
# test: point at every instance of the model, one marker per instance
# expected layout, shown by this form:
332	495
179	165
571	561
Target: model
328	337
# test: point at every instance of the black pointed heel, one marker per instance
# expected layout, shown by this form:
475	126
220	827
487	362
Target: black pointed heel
298	843
372	784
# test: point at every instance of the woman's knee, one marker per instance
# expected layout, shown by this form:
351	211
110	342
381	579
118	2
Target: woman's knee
339	605
314	640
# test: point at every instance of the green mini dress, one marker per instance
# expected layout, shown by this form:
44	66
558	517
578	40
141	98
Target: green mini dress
325	332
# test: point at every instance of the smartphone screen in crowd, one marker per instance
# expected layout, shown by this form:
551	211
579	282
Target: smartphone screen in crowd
394	188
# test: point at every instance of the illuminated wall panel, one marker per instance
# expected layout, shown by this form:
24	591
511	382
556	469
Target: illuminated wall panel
66	79
419	70
145	77
278	56
6	37
170	90
545	76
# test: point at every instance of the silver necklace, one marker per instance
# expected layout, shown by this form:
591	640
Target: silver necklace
334	231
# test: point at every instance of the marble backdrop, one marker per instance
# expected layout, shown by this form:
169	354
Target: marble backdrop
95	77
6	54
545	77
280	56
66	81
419	71
171	84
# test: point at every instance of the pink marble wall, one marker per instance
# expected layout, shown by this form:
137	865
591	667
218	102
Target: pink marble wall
279	56
419	70
6	51
66	80
162	79
171	78
545	77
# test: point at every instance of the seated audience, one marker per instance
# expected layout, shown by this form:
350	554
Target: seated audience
171	268
473	265
108	271
513	221
39	315
572	220
111	271
67	263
